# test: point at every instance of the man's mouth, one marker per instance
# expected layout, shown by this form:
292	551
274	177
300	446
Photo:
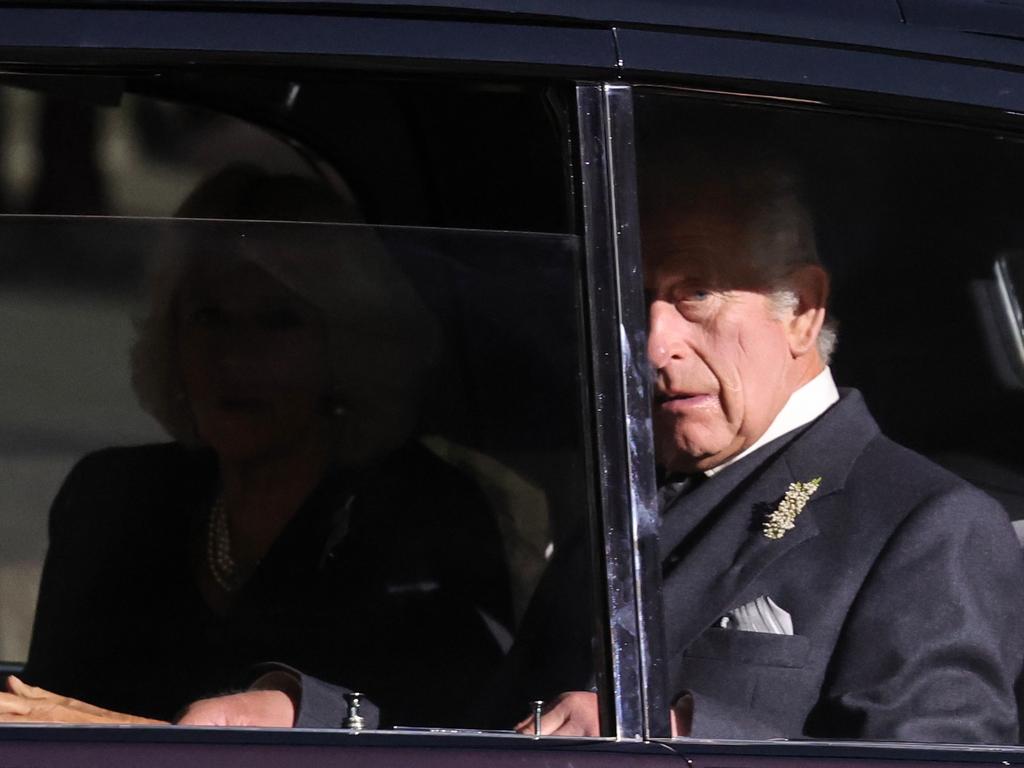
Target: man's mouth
664	397
682	400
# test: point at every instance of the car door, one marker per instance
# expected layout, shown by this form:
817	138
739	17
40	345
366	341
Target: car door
461	179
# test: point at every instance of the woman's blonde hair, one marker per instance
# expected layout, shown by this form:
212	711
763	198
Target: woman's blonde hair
382	342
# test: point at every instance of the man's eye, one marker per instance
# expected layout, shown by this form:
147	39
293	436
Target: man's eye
687	295
693	295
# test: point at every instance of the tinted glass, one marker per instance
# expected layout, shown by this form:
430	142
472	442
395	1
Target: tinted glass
399	407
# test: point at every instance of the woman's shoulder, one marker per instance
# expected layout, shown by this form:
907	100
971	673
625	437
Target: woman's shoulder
112	482
139	464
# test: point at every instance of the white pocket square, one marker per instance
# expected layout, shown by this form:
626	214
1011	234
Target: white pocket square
760	615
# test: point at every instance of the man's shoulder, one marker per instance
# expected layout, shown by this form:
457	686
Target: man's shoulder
891	506
889	480
884	458
879	476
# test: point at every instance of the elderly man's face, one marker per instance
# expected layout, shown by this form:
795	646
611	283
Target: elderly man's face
725	363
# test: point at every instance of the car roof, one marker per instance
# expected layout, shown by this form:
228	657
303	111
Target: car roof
980	30
652	12
1001	17
643	12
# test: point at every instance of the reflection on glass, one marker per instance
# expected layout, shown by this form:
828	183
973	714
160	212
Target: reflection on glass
374	451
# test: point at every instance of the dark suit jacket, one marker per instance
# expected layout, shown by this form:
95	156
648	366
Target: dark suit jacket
904	583
376	583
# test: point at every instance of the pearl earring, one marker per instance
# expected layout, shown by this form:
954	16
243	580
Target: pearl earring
337	403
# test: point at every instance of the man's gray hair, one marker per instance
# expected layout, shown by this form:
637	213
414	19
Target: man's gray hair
781	239
762	195
785	300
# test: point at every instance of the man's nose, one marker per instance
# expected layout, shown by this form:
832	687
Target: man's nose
665	340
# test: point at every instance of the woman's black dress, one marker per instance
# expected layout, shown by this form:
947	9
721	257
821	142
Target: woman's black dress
379	583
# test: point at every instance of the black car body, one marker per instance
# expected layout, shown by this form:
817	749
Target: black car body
509	119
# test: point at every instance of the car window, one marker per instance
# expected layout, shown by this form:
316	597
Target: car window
353	303
822	606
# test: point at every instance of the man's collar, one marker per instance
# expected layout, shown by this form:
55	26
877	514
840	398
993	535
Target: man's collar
804	406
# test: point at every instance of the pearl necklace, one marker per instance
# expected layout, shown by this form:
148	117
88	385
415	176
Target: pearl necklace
222	566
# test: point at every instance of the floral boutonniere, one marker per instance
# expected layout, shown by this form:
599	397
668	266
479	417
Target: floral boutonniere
784	517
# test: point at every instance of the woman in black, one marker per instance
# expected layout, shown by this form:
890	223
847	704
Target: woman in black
295	519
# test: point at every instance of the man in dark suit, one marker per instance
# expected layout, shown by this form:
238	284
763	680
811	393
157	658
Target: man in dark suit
819	580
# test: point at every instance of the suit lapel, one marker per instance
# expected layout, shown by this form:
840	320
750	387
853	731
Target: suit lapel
726	551
707	568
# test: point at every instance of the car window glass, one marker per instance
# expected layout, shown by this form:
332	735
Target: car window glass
189	296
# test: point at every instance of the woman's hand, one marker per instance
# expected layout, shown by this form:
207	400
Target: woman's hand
27	704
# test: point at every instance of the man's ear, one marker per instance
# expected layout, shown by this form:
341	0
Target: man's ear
810	284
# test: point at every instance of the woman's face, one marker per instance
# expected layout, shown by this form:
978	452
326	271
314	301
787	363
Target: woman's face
253	358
